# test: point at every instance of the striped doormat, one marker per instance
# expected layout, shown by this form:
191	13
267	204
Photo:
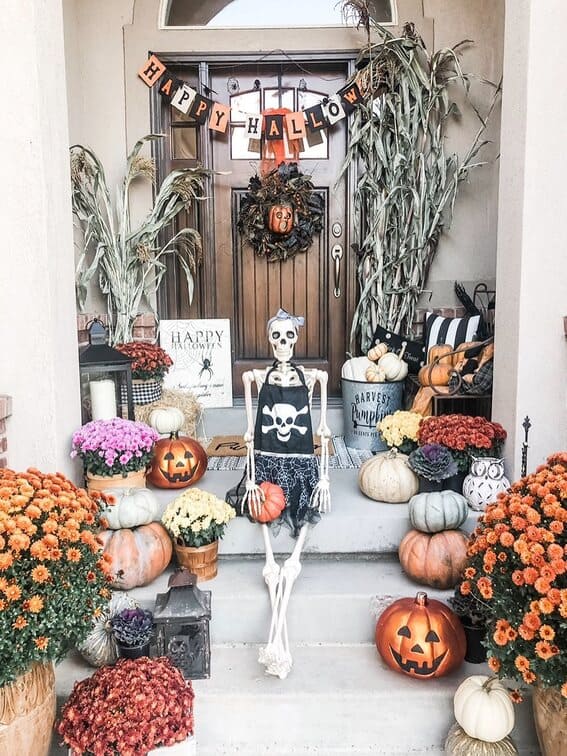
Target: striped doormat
344	458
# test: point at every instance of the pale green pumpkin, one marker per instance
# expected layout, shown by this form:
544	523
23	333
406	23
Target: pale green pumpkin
435	511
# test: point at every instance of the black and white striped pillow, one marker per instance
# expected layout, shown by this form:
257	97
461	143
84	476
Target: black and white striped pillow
452	331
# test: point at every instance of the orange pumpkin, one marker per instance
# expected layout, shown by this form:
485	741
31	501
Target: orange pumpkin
436	559
139	555
420	637
273	504
178	462
281	218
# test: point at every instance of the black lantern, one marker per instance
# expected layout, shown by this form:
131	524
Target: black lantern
181	618
106	378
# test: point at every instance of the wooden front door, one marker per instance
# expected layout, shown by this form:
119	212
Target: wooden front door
235	282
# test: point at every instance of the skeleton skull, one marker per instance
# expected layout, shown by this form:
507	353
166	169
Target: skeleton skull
282	335
283	420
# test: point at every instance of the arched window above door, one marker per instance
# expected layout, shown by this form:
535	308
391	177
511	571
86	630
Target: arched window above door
251	13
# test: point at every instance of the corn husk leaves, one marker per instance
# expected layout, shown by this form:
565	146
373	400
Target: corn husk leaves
407	184
129	263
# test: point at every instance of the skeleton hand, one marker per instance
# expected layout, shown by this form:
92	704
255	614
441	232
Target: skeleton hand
321	496
253	497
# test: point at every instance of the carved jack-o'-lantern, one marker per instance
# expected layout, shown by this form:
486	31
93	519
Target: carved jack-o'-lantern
281	218
420	637
178	462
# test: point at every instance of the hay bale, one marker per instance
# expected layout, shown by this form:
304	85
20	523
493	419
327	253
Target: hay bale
183	400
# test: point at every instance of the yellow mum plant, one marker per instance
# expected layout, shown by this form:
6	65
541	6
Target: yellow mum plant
400	430
197	518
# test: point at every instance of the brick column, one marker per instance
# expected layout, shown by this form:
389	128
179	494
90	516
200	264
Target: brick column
5	412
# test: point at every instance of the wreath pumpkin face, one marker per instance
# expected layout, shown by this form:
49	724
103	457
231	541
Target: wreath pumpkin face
280	213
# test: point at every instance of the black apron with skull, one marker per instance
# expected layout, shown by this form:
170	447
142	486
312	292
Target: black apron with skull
283	448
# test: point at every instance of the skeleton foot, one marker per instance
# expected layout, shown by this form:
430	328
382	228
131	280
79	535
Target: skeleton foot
277	661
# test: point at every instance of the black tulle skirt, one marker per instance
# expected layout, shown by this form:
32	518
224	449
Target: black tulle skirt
297	476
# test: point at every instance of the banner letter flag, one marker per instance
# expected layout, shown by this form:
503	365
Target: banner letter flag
350	96
219	117
183	98
168	86
315	118
253	125
333	109
295	125
200	108
151	71
273	127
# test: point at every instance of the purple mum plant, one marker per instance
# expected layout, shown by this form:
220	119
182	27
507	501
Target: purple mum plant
433	462
112	447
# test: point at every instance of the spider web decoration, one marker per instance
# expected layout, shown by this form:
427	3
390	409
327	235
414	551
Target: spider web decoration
285	184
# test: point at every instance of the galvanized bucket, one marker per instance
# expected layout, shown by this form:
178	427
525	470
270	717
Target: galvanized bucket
364	405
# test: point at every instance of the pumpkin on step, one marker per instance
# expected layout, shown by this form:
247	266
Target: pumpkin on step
166	419
388	477
178	462
132	507
434	511
138	555
99	647
273	504
458	743
483	708
436	560
420	637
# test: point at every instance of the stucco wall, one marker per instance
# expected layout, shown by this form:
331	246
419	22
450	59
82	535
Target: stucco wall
109	106
39	367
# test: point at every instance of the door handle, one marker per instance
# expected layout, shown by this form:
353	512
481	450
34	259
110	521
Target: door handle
337	256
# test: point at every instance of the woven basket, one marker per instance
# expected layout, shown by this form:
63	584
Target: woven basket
27	712
200	560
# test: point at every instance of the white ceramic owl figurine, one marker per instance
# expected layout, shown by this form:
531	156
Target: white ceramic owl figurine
484	482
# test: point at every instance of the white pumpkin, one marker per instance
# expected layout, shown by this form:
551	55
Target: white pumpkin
166	420
393	366
99	647
484	709
388	477
133	507
355	368
434	511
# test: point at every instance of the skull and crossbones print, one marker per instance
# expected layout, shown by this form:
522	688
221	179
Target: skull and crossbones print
283	417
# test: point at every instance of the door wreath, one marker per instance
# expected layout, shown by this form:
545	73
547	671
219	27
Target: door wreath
280	213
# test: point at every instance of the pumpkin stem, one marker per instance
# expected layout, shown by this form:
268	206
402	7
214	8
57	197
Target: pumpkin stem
174	435
421	598
487	684
402	352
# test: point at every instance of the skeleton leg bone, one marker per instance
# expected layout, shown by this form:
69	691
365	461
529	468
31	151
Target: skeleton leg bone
272	573
276	654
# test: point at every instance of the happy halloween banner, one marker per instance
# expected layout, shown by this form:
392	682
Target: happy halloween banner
272	124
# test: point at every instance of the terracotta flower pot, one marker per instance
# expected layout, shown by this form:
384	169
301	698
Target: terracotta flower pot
550	715
136	479
27	712
200	560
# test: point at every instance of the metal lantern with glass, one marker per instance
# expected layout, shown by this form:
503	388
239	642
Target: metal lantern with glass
106	378
181	619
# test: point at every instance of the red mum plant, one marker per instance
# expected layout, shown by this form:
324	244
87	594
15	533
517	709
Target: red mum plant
465	436
518	568
150	362
128	709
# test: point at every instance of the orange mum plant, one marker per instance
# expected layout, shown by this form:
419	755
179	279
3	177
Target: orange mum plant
53	575
518	567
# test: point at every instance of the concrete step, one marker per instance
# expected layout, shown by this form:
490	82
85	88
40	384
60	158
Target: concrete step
337	700
356	524
333	601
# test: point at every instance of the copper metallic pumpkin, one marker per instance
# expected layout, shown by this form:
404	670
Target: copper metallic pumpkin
178	462
273	504
420	637
281	218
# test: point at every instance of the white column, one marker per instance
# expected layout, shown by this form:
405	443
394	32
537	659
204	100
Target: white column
531	349
39	364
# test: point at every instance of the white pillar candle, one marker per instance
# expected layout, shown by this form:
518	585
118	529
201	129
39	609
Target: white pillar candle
103	400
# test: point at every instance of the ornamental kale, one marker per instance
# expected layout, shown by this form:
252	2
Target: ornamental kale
132	627
111	447
433	462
